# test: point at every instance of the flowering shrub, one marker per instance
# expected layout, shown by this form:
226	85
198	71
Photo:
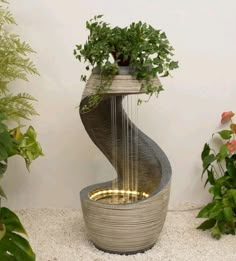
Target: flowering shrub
220	169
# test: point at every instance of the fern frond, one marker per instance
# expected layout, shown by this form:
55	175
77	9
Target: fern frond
18	106
14	65
3	87
22	47
11	73
25	95
6	17
25	66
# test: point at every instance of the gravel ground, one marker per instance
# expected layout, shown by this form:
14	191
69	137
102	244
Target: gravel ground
59	235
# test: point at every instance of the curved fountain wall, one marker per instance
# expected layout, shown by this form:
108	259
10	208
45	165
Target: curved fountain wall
131	227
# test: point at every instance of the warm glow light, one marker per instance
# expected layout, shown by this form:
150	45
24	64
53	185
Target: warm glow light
118	192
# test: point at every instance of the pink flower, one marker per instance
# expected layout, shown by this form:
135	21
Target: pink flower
231	146
226	116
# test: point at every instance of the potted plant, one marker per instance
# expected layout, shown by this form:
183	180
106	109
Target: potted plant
219	165
125	215
15	140
144	49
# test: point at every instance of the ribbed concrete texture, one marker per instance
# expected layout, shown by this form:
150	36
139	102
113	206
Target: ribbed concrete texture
130	227
59	235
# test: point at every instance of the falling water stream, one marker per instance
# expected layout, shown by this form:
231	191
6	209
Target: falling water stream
127	189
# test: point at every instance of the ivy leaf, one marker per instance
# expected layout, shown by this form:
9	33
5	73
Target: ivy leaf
83	78
208	224
225	134
173	65
160	89
78	57
160	68
139	102
166	74
78	47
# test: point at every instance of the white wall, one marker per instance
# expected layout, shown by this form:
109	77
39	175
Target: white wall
180	121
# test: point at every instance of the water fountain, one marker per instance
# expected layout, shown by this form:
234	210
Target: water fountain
125	215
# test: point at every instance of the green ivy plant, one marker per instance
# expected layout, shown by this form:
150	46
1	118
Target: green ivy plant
220	167
146	50
14	107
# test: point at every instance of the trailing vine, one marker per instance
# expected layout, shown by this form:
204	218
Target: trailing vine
146	50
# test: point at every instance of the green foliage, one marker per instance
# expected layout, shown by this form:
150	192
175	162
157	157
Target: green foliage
17	106
12	245
146	50
6	145
14	65
14	142
27	145
225	134
220	168
5	15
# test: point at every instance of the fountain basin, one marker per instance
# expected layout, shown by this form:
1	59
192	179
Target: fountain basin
123	228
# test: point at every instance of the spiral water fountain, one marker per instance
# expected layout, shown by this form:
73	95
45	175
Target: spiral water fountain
125	215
